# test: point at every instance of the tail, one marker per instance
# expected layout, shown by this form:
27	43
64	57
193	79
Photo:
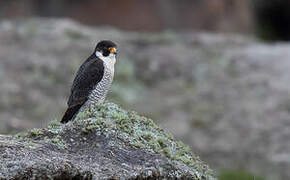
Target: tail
70	113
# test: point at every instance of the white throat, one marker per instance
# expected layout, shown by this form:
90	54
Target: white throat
108	60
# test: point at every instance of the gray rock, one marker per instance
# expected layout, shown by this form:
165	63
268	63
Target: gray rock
104	142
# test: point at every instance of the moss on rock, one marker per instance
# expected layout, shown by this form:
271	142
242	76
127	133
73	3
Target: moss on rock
138	131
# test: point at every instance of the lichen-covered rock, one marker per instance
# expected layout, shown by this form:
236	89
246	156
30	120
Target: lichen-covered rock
103	142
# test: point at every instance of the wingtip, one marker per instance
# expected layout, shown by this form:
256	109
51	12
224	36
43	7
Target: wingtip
65	118
70	113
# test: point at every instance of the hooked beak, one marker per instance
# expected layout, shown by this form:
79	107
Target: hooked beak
113	50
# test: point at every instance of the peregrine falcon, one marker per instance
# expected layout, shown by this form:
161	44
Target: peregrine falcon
93	79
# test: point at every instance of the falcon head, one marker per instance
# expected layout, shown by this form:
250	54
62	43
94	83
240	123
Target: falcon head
106	48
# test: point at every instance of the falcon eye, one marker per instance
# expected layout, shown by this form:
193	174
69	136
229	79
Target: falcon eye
106	52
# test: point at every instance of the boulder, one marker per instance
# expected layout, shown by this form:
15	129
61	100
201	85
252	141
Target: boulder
103	142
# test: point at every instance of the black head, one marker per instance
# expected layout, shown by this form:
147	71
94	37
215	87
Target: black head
106	47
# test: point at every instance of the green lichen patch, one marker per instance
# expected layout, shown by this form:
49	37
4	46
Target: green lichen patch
138	131
33	133
54	126
94	125
52	134
57	140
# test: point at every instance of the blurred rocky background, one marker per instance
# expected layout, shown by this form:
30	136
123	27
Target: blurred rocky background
268	19
213	73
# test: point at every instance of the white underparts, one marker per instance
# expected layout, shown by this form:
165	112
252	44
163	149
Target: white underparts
108	60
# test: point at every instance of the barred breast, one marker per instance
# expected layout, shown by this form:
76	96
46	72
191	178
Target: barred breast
98	94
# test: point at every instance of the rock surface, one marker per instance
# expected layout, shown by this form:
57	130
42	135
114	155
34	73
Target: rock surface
104	142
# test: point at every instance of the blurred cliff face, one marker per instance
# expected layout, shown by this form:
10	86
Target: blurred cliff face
149	15
268	19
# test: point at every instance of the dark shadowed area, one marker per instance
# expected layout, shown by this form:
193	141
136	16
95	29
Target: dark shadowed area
213	73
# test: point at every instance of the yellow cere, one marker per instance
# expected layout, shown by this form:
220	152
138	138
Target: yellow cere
112	49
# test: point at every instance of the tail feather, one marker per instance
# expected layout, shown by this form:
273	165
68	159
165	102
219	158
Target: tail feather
70	113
